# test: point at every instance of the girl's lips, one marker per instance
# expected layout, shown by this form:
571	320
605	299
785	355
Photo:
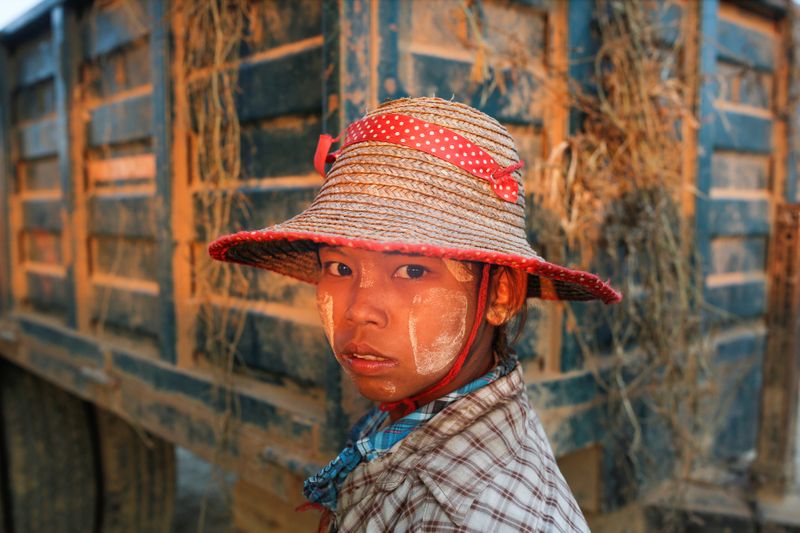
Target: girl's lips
372	366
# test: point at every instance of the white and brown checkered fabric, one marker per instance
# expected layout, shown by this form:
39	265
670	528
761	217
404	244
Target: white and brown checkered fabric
482	464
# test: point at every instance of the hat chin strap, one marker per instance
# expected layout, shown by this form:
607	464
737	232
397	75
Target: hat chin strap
411	403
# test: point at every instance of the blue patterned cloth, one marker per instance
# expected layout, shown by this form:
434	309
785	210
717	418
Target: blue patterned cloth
366	443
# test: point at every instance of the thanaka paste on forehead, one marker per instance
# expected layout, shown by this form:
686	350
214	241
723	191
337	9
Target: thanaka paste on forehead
460	270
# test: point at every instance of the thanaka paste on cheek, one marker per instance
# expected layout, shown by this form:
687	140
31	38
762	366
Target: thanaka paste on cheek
459	270
449	310
325	308
367	276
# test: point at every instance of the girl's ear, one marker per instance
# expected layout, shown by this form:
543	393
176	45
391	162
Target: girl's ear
499	309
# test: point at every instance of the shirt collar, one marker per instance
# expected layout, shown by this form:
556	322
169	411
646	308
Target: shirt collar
367	443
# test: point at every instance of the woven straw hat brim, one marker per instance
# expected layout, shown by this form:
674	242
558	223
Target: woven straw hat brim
294	254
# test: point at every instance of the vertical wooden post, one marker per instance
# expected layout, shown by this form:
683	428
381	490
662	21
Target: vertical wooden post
6	182
65	37
709	19
775	463
160	54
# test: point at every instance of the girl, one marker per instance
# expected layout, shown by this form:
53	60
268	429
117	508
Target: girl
416	242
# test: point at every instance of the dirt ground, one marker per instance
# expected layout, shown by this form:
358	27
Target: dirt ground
203	499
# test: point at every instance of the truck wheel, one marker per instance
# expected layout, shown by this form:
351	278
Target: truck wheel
138	477
49	469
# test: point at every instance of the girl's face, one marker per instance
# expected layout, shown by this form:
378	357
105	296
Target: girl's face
396	322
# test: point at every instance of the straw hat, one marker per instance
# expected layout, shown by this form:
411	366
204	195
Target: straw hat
416	175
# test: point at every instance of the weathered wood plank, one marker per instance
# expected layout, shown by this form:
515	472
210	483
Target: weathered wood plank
743	45
160	54
130	311
120	71
283	148
65	43
737	348
39	175
288	85
35	61
42	247
449	78
128	120
264	207
38	139
35	102
738	254
742	300
572	390
75	346
127	258
7	171
42	215
122	168
46	293
741	132
279	347
738	217
251	410
131	216
110	27
276	23
734	170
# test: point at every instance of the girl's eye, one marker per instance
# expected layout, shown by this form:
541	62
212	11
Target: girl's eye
335	268
411	271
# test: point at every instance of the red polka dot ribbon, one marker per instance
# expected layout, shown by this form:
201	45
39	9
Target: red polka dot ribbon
431	138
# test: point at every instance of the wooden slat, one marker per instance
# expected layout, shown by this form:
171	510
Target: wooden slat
777	445
288	85
131	311
122	168
128	258
40	174
42	215
111	27
35	61
123	121
747	299
160	54
38	139
738	131
283	147
6	185
132	216
738	217
743	45
47	293
738	254
739	170
65	46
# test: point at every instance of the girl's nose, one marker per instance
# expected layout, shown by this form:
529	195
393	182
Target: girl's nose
366	307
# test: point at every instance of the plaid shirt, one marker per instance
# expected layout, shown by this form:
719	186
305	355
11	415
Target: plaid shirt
481	464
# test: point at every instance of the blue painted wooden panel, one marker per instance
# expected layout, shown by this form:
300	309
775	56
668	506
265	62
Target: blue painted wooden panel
738	217
741	300
131	216
280	22
35	102
35	61
46	293
120	71
264	207
42	214
125	257
746	133
738	254
126	311
739	171
38	139
118	122
743	45
39	174
573	389
111	27
285	148
288	85
62	338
